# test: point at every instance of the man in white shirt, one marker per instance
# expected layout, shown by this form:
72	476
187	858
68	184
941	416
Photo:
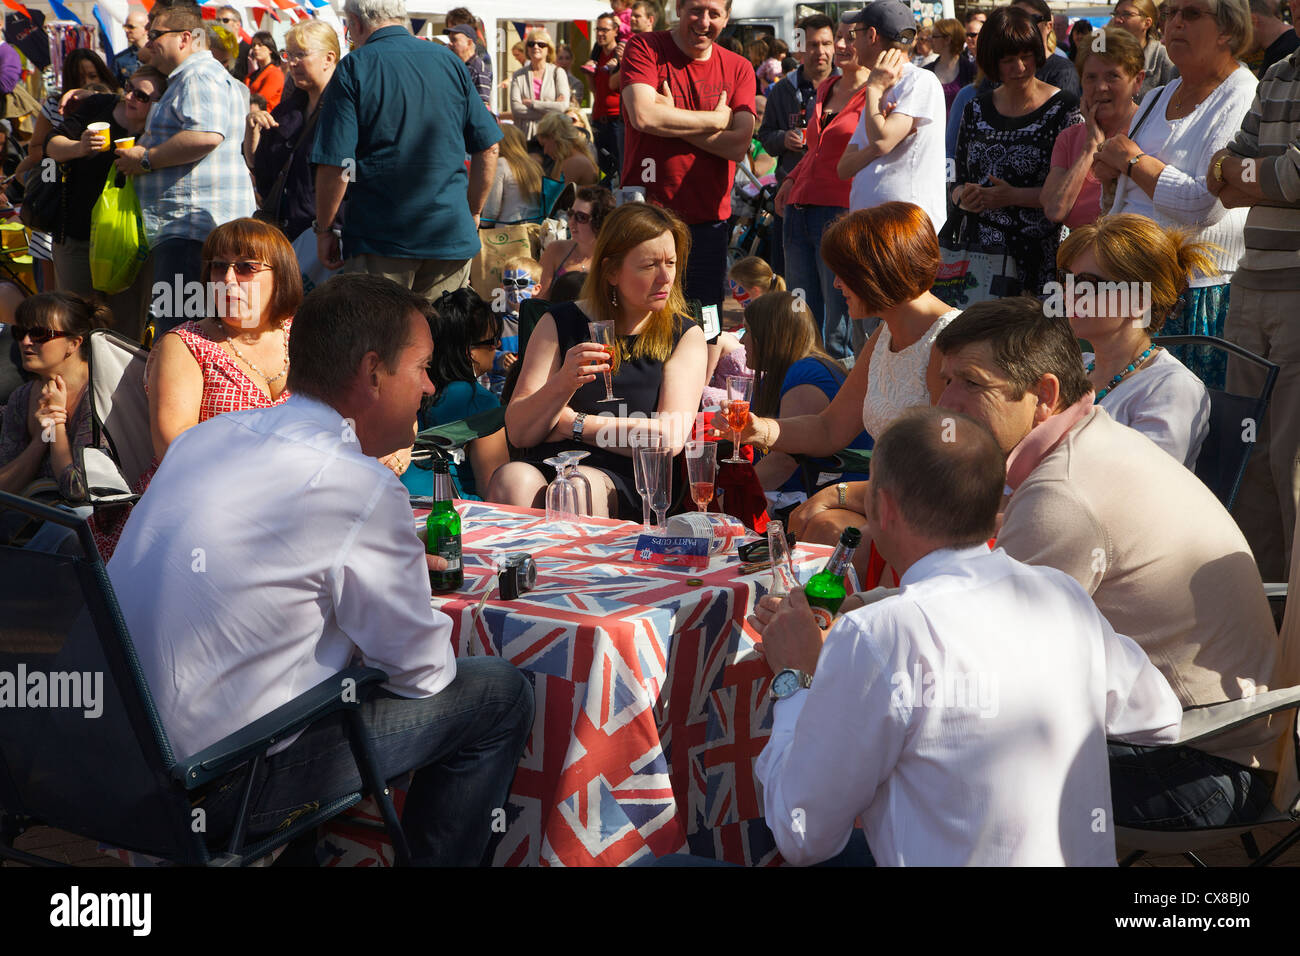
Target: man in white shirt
965	718
272	548
897	151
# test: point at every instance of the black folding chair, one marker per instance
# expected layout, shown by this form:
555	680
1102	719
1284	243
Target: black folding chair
100	765
1227	447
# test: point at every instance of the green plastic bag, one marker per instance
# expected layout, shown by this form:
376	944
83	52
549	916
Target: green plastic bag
118	247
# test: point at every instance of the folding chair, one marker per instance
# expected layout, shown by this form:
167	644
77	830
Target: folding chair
114	777
448	441
120	419
1223	457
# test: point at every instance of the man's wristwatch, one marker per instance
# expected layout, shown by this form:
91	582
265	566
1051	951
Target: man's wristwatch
144	162
316	228
789	682
578	424
842	489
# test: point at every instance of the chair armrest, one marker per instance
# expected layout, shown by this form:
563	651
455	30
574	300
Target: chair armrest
853	459
330	695
1275	592
1211	720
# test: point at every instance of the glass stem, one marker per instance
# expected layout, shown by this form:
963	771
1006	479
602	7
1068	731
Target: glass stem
645	513
661	518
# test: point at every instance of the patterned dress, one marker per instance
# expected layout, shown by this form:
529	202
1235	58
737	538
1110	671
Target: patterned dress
1017	150
226	386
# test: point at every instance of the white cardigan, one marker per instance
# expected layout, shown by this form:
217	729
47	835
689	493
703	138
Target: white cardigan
554	98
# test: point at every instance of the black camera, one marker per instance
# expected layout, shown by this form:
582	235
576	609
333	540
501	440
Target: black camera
518	575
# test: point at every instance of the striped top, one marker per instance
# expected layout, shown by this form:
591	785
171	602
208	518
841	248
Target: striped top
1270	132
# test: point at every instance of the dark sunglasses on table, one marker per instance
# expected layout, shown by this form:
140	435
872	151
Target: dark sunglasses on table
582	218
140	96
39	335
244	268
759	550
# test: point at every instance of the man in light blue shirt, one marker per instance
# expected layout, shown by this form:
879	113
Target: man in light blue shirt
188	165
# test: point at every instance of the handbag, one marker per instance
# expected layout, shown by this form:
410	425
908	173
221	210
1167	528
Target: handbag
972	272
269	211
44	201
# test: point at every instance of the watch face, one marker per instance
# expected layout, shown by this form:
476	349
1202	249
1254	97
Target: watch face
785	684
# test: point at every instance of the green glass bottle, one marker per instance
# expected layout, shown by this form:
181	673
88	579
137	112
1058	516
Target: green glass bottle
442	533
825	590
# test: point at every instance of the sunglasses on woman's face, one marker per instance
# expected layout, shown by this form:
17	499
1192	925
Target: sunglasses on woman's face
581	218
244	268
534	44
38	335
493	344
140	96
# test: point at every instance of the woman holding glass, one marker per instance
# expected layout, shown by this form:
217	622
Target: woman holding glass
1160	167
656	367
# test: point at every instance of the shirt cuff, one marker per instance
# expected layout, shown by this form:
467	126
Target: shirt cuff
785	713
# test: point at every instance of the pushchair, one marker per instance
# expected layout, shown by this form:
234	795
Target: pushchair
753	212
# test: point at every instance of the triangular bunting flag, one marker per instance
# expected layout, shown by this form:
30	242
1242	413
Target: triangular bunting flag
18	7
519	27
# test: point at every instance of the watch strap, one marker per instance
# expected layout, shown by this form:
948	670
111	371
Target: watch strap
578	424
1134	161
842	489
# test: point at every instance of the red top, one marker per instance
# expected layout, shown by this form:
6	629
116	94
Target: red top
691	182
268	83
815	181
605	102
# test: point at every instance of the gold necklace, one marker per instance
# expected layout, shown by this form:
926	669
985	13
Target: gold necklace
269	378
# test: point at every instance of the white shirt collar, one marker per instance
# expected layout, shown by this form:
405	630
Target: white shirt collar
940	560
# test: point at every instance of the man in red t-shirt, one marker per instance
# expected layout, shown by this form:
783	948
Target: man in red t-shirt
689	109
606	124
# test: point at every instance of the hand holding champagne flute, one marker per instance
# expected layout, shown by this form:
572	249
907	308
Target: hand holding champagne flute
740	388
602	333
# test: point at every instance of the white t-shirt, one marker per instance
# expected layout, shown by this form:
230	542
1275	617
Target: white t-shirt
914	171
1164	401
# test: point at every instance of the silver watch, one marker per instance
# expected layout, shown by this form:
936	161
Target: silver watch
789	682
578	424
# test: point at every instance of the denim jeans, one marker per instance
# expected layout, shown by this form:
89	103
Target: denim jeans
1176	788
607	137
463	743
805	269
178	261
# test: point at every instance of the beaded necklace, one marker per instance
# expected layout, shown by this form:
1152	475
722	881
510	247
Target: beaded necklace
1132	367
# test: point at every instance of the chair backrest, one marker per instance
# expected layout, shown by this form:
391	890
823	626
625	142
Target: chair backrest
1235	420
81	745
530	313
120	412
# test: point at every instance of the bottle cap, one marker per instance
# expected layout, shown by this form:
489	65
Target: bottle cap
851	537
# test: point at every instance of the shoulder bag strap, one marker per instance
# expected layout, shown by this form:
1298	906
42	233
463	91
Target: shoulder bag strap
272	204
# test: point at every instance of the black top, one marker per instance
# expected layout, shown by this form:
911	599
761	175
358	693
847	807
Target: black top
637	381
85	177
274	149
1279	49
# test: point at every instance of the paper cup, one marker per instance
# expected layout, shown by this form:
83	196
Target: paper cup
126	142
101	129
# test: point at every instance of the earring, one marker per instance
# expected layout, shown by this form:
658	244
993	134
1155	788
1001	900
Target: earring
613	296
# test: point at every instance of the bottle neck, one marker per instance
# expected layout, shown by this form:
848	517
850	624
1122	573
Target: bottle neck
840	558
442	490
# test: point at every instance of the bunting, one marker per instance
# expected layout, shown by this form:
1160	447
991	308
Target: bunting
18	8
63	13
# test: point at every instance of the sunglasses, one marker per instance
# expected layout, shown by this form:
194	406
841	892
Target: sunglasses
155	34
493	344
131	93
524	283
536	43
38	335
1189	14
292	58
581	218
244	268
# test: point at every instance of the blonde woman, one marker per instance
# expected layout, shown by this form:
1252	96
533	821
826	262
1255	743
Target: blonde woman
282	137
658	366
539	87
517	187
568	149
1140	384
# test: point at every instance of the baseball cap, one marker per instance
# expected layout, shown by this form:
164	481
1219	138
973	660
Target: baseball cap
462	28
892	20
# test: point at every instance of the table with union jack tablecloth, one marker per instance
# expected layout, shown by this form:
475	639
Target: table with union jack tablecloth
651	699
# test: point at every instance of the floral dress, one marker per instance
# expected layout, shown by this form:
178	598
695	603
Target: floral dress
1017	150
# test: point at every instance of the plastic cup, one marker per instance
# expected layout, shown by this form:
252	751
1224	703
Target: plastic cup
101	129
126	142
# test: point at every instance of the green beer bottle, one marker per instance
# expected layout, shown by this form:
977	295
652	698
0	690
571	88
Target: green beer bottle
442	533
825	589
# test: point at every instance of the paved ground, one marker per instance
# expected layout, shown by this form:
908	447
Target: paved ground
67	848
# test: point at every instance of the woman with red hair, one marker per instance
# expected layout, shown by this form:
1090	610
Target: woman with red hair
885	260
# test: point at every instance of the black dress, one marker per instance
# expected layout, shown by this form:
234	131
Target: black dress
637	381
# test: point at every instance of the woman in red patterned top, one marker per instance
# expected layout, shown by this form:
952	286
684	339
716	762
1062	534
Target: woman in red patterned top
238	357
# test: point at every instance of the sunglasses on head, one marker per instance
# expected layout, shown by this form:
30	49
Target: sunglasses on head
244	268
38	334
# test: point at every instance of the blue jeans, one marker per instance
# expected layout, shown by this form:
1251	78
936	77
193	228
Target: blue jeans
178	261
463	744
1176	788
607	137
805	269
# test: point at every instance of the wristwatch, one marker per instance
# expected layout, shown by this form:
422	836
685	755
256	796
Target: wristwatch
842	489
315	227
1134	161
578	424
789	682
144	162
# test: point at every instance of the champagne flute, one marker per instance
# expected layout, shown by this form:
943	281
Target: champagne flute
740	388
602	333
640	441
702	470
656	464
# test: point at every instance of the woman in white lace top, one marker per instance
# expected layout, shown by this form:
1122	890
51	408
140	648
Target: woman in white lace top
885	260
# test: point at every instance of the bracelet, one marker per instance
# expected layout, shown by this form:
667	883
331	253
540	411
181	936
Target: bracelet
578	424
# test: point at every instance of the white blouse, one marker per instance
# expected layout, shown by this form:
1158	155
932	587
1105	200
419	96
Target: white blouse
1164	401
897	379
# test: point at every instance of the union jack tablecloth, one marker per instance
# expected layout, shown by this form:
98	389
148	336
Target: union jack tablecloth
651	699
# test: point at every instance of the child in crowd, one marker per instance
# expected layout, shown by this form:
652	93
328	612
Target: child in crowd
520	279
748	279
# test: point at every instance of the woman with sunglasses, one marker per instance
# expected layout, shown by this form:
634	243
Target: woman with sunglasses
589	210
265	75
1161	165
88	156
277	144
468	333
237	357
539	86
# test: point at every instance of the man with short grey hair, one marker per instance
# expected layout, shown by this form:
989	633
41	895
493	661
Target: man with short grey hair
1273	35
413	210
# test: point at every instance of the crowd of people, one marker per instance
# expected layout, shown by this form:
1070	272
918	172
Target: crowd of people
1143	153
